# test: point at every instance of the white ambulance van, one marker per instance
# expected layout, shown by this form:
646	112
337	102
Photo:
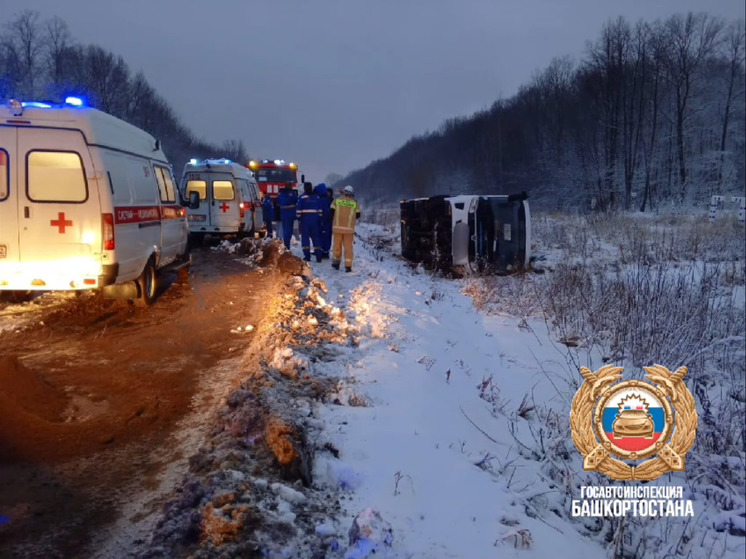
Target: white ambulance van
87	201
228	194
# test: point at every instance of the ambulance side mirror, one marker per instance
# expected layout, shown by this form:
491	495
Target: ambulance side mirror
303	178
193	200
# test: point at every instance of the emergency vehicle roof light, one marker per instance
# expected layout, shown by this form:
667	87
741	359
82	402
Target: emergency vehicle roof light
36	105
74	101
252	164
16	107
278	161
293	166
193	161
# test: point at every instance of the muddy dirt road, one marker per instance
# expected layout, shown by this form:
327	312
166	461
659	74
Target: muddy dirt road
96	396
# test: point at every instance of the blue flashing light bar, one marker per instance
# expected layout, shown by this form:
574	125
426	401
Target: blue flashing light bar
35	105
74	101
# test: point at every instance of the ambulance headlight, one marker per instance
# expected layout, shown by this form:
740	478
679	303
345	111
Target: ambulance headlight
74	101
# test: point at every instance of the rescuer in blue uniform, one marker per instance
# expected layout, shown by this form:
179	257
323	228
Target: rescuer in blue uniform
287	201
326	243
325	235
268	214
309	218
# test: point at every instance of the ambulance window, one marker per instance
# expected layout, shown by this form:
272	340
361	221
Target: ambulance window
4	168
55	176
165	185
200	187
170	183
222	190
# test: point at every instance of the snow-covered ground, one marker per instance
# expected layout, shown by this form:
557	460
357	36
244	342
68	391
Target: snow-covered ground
390	410
427	452
452	425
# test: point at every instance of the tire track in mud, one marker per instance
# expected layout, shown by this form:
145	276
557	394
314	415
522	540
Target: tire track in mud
100	401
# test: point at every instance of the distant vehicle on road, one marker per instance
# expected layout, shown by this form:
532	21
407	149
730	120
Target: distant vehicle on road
273	175
467	232
87	201
228	194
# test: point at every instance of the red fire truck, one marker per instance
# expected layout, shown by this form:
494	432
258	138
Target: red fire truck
274	174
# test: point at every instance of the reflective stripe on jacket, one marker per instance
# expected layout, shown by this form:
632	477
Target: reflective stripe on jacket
345	210
287	202
309	207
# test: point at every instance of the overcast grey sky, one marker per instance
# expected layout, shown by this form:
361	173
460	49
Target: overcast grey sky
335	84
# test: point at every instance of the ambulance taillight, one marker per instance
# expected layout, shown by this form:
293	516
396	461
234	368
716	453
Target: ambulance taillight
108	231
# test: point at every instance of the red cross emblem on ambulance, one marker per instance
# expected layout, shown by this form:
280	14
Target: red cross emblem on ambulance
225	207
61	223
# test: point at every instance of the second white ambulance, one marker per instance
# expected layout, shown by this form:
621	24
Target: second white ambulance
229	198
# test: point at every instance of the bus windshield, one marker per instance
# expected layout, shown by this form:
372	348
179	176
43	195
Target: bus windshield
275	175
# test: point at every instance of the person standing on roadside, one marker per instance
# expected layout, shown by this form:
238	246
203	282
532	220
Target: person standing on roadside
309	222
326	238
325	225
287	203
345	212
268	214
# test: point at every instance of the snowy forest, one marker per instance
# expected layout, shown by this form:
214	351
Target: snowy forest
652	114
40	60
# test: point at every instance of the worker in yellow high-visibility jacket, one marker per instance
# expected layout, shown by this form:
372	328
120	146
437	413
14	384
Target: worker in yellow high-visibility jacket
345	211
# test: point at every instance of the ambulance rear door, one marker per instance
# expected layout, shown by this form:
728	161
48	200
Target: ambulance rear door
224	204
8	204
59	210
199	219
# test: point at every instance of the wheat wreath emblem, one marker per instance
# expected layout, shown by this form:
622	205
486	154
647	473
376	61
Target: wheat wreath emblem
670	390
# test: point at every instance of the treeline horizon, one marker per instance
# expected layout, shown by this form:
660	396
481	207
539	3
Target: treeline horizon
652	114
40	61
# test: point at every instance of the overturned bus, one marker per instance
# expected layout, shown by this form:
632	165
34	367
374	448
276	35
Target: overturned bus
467	232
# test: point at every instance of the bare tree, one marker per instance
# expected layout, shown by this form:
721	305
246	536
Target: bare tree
141	94
607	58
692	39
56	43
235	151
653	60
10	69
107	78
24	41
734	50
333	178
